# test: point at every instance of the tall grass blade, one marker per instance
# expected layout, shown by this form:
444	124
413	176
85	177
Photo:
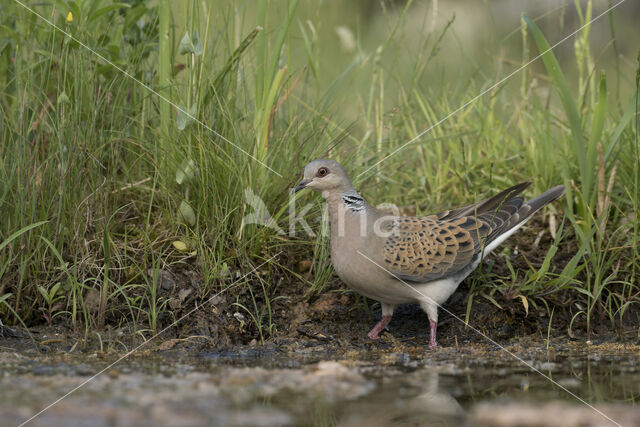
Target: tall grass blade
560	84
20	232
165	46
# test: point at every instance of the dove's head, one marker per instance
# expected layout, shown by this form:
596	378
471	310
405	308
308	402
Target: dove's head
325	176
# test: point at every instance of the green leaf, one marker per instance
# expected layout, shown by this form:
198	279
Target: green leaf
491	300
576	264
186	117
63	99
544	268
44	293
5	297
597	124
187	213
582	290
54	290
197	43
186	45
186	171
191	44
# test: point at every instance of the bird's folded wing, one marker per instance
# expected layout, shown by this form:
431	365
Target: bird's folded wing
425	249
437	246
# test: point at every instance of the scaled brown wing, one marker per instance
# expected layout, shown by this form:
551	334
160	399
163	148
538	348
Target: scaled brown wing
425	249
429	248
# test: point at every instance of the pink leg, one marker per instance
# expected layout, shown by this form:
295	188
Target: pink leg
375	332
432	336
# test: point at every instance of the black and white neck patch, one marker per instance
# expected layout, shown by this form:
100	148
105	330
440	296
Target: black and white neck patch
353	202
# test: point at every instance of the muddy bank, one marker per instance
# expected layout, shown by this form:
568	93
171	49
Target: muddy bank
335	320
249	313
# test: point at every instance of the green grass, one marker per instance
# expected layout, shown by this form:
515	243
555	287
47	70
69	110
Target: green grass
99	176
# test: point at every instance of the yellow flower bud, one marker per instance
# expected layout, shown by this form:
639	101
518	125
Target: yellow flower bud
69	17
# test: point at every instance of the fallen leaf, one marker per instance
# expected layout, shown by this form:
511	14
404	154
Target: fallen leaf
304	266
181	246
525	303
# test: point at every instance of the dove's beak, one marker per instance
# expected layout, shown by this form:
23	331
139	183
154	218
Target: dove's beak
301	185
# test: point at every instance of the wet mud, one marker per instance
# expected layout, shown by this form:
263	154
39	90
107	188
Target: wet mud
292	383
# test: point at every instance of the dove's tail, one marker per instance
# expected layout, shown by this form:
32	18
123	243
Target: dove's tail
521	214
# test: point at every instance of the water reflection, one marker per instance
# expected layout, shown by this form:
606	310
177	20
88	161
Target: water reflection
279	388
486	391
417	399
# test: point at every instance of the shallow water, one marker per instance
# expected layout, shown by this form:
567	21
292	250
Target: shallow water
319	386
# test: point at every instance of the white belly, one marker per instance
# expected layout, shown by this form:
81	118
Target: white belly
365	277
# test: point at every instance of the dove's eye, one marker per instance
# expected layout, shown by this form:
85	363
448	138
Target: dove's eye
322	172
